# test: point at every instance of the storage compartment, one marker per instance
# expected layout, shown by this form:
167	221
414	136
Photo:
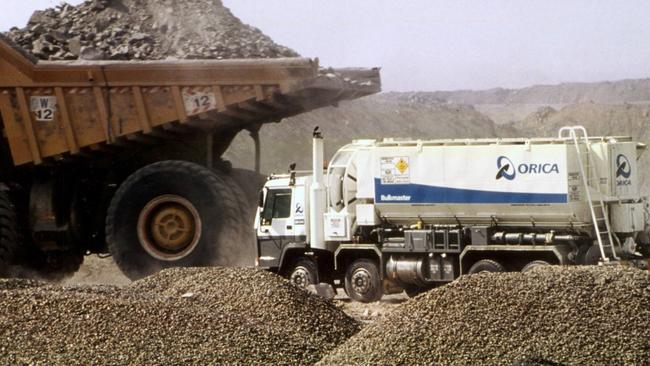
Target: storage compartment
627	217
418	240
336	226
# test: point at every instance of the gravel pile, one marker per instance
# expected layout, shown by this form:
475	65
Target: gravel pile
143	30
179	316
554	315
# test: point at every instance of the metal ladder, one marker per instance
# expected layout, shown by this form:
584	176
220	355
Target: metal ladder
606	240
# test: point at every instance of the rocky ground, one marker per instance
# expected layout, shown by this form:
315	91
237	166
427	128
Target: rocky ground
369	313
179	316
98	270
549	316
552	315
103	271
143	30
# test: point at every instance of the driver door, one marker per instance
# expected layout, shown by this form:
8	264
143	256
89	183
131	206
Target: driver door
276	226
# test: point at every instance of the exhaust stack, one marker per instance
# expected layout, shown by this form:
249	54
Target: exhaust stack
317	194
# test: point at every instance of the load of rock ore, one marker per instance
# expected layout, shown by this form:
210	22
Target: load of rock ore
143	30
548	316
179	316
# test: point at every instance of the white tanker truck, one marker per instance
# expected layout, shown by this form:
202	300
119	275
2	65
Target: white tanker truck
407	215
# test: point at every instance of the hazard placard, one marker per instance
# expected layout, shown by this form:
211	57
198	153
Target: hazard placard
395	170
198	100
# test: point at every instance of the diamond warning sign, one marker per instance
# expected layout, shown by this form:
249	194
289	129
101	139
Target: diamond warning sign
395	170
402	165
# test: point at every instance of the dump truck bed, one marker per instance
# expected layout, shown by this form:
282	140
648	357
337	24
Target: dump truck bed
53	110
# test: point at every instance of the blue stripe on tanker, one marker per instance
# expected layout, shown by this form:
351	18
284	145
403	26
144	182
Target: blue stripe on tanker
419	193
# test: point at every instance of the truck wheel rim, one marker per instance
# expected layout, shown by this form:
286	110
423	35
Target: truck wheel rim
300	277
361	281
169	227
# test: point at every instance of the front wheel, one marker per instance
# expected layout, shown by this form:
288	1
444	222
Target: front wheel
304	273
363	282
170	214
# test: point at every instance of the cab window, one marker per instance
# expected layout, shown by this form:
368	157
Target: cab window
277	205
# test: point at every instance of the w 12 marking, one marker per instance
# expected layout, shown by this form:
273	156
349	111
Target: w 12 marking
198	100
43	107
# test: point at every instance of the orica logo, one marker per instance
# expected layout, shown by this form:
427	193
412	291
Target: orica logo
623	167
508	170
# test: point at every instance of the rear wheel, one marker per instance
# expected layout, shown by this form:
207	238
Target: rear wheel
304	273
535	264
8	235
594	256
245	217
171	214
363	282
486	265
54	265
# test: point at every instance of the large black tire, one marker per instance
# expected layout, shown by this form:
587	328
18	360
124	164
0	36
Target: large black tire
593	255
363	282
19	259
303	272
8	235
203	207
53	265
535	264
245	220
486	265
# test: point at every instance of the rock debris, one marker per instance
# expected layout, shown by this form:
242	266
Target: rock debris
548	316
143	30
234	316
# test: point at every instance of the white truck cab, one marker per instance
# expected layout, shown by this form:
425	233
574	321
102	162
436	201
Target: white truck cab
282	218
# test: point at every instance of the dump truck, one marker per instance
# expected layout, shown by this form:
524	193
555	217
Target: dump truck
125	158
392	215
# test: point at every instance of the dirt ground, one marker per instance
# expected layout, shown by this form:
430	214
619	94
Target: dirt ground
103	271
368	313
98	271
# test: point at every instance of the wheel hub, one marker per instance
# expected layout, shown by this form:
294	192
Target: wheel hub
169	227
300	277
361	281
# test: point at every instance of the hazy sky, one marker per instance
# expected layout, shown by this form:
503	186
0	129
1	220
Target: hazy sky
453	44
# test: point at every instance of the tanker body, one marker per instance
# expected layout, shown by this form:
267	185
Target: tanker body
411	214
